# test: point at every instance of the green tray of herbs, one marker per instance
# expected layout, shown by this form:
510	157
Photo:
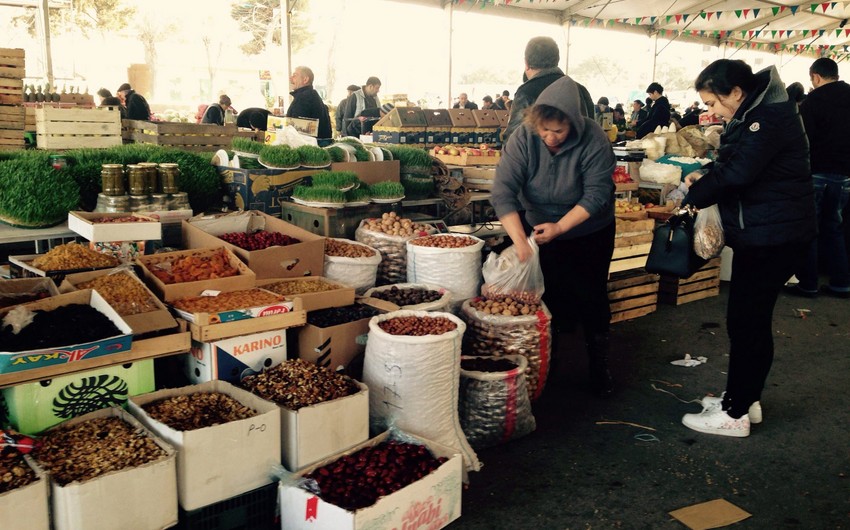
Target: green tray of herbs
386	192
280	157
341	180
318	196
246	147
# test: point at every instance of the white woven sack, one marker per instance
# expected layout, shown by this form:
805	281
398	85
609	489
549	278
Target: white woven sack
413	383
440	304
393	249
359	273
456	269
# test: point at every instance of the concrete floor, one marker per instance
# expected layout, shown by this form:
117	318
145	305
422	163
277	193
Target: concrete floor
793	471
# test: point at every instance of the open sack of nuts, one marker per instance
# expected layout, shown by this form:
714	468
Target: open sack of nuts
494	405
450	260
351	263
389	235
510	327
413	296
412	369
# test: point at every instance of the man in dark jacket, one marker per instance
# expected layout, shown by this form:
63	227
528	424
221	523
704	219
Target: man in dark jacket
216	114
306	102
541	70
659	112
254	118
340	109
361	99
826	113
136	104
464	103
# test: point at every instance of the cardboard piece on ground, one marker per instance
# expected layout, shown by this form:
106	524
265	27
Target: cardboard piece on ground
712	514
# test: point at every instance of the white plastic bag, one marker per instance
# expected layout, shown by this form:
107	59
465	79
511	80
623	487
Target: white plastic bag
290	136
506	276
708	233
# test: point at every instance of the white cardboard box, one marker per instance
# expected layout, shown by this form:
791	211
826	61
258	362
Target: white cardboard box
26	508
313	433
138	498
234	358
81	223
222	461
429	503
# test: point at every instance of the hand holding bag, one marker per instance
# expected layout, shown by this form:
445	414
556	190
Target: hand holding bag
672	250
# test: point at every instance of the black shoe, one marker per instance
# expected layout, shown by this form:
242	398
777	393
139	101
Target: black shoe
794	290
827	290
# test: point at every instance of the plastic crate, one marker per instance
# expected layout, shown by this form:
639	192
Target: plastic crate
254	510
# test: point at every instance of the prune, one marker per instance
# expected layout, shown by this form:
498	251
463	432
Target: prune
335	316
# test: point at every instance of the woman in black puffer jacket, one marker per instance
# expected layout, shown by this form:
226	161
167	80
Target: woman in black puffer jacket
762	184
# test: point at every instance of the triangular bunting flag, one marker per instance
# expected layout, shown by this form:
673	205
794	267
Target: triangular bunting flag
758	32
685	17
775	10
718	14
678	19
805	32
702	14
813	7
709	15
773	33
751	34
781	9
821	32
793	9
781	31
652	20
611	23
847	32
669	18
756	13
738	13
824	6
746	12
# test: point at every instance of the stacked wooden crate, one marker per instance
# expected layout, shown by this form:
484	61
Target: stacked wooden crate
78	127
703	284
198	137
12	114
632	293
631	243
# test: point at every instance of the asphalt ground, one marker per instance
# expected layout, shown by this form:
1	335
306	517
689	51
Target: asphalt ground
627	461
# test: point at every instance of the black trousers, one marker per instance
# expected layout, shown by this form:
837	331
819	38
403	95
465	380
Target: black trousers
758	274
575	273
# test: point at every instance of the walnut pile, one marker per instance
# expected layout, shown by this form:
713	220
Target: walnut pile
15	473
196	411
93	448
73	256
297	383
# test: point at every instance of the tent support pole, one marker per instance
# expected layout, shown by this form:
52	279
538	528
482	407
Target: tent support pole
569	25
654	54
451	11
44	23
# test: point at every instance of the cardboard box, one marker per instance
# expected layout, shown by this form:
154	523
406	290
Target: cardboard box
168	292
21	267
438	126
300	259
233	315
313	433
81	223
138	497
141	323
333	347
463	126
24	289
338	296
308	126
431	502
238	328
234	358
218	462
261	189
371	172
398	135
27	360
34	407
26	508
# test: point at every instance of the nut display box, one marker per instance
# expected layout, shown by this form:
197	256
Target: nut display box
221	461
233	358
26	507
431	502
100	227
27	360
315	292
302	258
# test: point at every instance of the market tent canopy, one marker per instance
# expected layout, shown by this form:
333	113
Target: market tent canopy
777	26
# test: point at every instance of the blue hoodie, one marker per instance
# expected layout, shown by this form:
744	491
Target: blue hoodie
548	185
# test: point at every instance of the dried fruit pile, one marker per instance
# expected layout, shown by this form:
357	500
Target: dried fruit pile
73	256
302	286
194	268
15	473
227	301
93	448
358	480
405	296
196	411
417	326
296	383
259	240
124	293
63	326
335	316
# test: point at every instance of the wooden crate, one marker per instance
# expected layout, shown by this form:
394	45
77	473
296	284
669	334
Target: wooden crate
198	137
11	140
632	294
704	283
11	91
76	128
12	63
632	242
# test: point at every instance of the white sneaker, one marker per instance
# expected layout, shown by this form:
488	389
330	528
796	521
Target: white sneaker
717	421
754	413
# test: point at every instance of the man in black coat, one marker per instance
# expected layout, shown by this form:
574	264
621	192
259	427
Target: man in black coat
659	112
306	102
340	109
136	104
365	97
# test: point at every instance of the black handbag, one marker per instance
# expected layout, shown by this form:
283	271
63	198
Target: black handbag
672	251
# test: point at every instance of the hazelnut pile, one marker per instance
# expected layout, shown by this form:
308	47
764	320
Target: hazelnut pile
525	297
15	473
124	293
93	448
391	223
301	286
73	256
417	326
344	249
296	383
507	307
444	241
227	301
196	411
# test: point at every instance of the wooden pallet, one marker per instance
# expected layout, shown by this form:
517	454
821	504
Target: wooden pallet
12	62
12	117
632	294
11	139
704	283
198	137
631	244
74	128
11	91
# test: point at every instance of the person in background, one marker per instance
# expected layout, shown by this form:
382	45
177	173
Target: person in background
763	187
600	108
253	118
307	103
541	70
691	115
365	97
638	114
487	103
619	118
216	113
108	100
659	112
340	109
500	102
136	105
464	103
373	116
826	114
557	168
796	92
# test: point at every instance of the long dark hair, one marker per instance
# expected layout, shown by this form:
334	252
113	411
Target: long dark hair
721	76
